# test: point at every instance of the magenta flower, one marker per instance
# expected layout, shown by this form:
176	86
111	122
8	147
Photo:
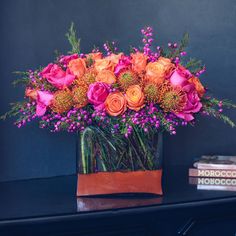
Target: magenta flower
44	99
124	63
180	76
56	76
66	59
97	94
193	104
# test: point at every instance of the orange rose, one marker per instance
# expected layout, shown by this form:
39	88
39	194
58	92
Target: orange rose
31	93
94	56
77	67
106	76
139	62
169	67
103	64
135	97
156	72
198	86
115	104
114	58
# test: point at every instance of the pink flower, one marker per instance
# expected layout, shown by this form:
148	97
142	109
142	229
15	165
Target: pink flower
66	59
97	94
193	104
57	77
180	76
123	63
47	69
44	99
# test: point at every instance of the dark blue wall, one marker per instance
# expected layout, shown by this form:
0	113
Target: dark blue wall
31	30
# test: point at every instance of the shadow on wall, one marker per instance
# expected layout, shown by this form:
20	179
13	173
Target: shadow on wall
38	28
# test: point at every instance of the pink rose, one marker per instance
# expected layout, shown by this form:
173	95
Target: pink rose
47	69
193	104
44	99
64	60
57	77
97	94
124	63
180	76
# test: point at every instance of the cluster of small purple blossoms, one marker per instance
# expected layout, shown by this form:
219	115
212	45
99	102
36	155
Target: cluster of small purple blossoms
174	47
82	55
220	105
27	114
110	48
172	122
134	49
149	118
99	115
147	41
219	108
33	75
115	129
73	121
198	73
95	50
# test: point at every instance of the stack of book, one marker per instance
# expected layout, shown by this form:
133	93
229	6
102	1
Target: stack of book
214	173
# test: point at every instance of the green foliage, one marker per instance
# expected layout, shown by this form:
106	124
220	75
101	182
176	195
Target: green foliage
193	62
184	42
211	106
24	78
228	103
73	40
131	49
175	52
57	55
15	110
215	102
215	113
194	65
89	61
111	47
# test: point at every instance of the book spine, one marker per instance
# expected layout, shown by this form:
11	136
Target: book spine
215	173
212	181
215	187
205	166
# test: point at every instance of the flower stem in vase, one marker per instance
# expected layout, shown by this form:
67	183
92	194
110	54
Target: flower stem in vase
137	156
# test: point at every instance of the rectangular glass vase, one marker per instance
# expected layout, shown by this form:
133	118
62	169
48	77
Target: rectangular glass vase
115	164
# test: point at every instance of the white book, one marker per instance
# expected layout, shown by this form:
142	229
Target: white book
216	162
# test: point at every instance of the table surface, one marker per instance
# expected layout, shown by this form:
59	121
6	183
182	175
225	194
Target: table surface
55	197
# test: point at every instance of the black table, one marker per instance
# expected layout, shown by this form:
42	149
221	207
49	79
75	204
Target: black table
49	207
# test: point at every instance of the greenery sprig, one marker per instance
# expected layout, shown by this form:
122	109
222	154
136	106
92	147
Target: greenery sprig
23	80
194	65
212	106
73	40
215	113
16	107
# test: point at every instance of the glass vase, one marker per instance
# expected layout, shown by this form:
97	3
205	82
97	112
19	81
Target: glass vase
110	163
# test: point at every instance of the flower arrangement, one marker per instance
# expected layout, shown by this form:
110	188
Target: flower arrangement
129	97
